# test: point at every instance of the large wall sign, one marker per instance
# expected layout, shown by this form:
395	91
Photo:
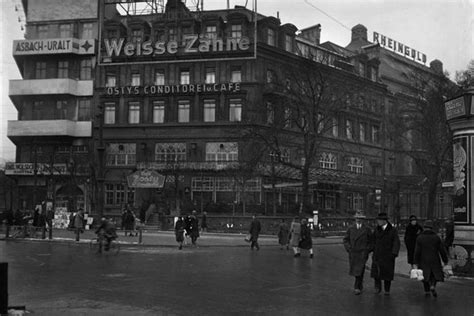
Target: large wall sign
173	89
398	47
28	169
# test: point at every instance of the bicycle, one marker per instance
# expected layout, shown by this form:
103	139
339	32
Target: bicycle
97	245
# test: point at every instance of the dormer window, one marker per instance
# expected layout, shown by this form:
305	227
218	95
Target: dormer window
271	37
236	31
211	32
136	35
173	34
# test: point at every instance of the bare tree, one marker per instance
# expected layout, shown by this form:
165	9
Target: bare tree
419	130
465	78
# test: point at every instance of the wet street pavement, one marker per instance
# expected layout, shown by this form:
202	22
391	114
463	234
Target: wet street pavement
69	279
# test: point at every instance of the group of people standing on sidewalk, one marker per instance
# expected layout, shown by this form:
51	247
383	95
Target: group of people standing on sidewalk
188	226
424	249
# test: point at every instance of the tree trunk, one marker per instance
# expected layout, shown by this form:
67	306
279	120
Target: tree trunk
305	190
432	192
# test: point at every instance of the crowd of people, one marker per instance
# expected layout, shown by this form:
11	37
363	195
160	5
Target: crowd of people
425	251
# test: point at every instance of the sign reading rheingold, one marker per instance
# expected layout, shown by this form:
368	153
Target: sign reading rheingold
455	108
53	46
398	47
146	179
231	87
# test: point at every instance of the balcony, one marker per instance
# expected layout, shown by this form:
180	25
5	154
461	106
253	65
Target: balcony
51	86
48	128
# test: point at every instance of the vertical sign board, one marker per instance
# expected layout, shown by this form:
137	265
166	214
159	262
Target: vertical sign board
462	179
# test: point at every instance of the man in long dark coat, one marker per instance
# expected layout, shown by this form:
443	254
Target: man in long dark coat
358	242
254	231
193	227
412	231
386	248
428	249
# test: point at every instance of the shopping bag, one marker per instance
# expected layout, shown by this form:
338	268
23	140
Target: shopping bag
416	274
448	271
248	238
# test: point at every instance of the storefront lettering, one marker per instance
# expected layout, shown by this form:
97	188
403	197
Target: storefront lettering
231	87
190	44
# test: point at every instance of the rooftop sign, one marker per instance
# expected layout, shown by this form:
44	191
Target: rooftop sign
399	48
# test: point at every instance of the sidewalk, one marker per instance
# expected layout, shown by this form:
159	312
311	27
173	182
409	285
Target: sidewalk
155	238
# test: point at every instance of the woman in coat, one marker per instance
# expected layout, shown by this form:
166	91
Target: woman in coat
283	233
295	232
428	249
179	231
306	241
386	248
358	242
412	231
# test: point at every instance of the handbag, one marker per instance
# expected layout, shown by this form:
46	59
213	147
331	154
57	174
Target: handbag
448	271
416	274
248	238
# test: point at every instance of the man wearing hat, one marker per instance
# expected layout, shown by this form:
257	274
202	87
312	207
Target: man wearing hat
386	248
358	243
428	249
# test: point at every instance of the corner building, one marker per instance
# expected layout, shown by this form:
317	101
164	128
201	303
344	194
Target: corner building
175	90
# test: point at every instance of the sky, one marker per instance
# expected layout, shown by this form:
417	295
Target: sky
441	29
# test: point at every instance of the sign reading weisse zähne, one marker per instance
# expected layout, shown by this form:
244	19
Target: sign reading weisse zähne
231	87
54	46
398	47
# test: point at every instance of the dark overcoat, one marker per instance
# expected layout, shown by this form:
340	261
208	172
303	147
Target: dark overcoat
386	248
411	232
306	240
283	234
254	230
428	250
179	230
358	243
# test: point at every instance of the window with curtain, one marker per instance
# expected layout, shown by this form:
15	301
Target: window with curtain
209	110
183	111
158	111
109	113
235	110
133	112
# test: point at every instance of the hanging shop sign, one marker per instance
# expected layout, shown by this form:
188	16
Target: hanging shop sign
398	47
146	179
53	46
231	87
28	169
455	108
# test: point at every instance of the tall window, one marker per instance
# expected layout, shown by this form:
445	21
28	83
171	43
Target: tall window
173	34
270	113
159	78
63	69
118	194
210	75
158	111
65	30
37	109
40	70
235	110
376	134
362	131
211	32
236	31
349	129
84	110
236	75
43	31
373	73
86	69
136	35
121	154
209	110
184	77
356	201
328	161
335	127
61	110
183	111
355	165
133	112
170	152
111	80
87	30
222	152
135	79
271	37
109	114
288	43
362	69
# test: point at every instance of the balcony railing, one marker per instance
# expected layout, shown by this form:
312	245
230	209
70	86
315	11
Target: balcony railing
49	128
51	86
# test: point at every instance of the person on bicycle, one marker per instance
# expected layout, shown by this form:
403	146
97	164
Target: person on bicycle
106	230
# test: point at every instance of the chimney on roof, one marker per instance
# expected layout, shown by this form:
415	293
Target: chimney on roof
359	33
312	33
437	66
